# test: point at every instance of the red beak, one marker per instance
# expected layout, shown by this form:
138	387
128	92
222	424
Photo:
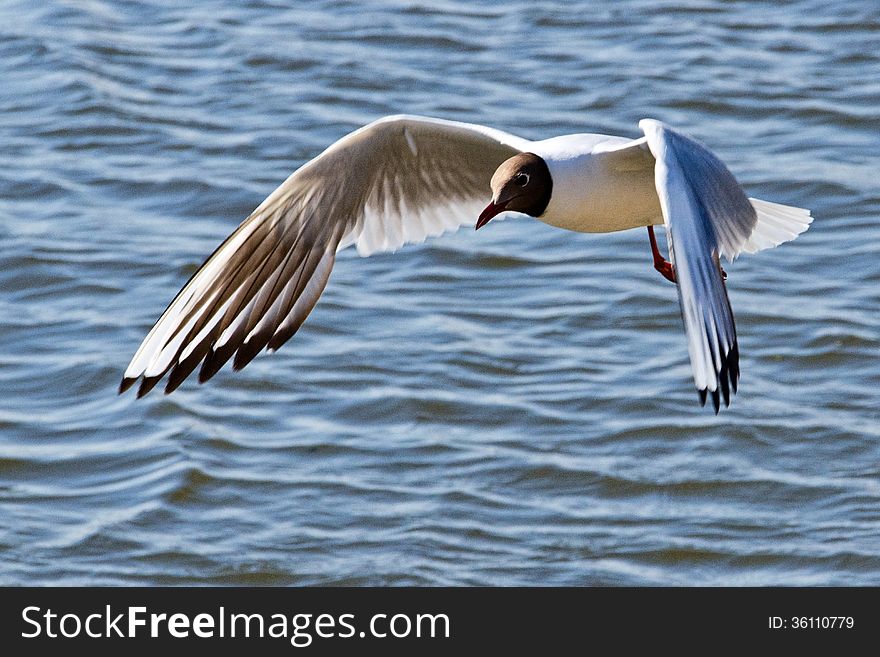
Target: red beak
492	210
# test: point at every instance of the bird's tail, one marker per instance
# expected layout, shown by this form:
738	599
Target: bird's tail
777	223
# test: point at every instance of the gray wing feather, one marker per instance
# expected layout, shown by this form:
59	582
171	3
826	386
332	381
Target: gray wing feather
706	214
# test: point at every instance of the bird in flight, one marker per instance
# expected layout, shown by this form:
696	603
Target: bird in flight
404	178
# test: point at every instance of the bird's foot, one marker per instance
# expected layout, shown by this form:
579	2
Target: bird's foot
665	268
660	263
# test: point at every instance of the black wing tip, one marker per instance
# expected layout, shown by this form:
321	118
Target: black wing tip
728	381
280	337
704	394
733	366
126	383
211	365
728	377
147	384
173	383
246	353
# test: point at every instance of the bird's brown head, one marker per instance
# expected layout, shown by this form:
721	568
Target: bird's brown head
521	184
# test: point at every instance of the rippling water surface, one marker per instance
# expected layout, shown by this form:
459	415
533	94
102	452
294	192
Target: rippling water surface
508	407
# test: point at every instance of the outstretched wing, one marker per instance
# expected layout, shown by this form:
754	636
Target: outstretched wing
706	214
398	180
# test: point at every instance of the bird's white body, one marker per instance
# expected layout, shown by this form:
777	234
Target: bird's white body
589	195
403	178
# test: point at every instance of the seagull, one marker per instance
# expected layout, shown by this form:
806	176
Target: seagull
404	178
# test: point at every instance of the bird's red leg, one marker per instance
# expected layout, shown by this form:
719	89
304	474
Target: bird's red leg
664	266
660	263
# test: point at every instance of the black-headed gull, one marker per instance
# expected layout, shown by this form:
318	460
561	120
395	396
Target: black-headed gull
402	179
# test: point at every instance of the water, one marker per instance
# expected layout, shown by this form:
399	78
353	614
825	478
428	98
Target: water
508	407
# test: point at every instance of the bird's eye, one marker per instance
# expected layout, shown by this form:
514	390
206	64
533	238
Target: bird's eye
521	179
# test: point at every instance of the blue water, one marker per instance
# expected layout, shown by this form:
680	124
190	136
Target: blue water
513	406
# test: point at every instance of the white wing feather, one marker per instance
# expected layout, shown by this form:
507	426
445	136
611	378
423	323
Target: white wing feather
397	180
706	214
